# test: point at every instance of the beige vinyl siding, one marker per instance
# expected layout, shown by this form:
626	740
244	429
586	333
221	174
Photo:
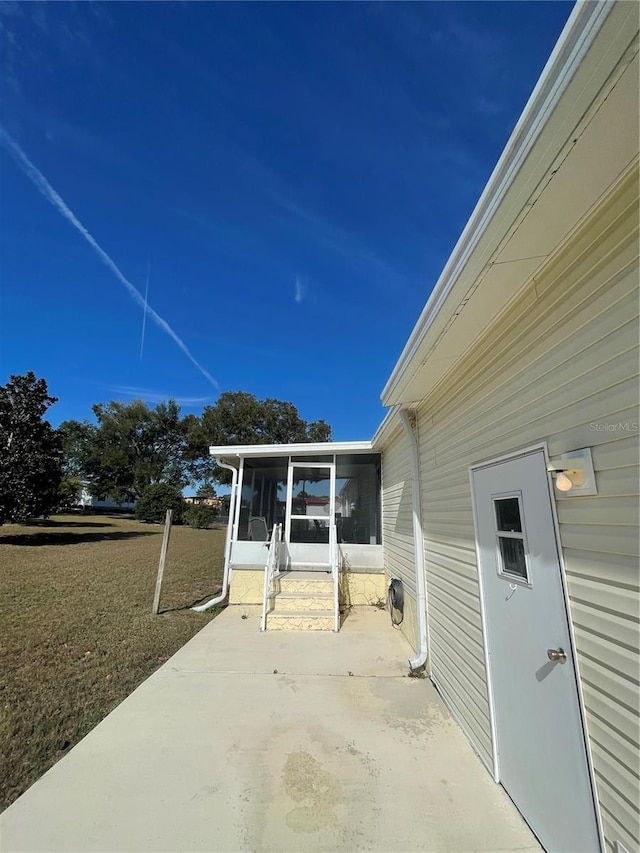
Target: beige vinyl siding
397	524
562	360
397	512
455	626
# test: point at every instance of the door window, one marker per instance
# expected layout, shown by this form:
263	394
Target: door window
511	545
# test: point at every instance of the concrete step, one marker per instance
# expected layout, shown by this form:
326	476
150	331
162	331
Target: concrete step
301	574
288	601
319	585
300	620
310	569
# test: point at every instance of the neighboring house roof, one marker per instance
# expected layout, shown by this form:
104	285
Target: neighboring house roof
551	174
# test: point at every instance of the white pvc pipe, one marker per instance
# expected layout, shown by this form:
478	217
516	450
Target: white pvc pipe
227	547
420	659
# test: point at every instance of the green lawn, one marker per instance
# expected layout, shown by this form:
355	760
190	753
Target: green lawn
76	626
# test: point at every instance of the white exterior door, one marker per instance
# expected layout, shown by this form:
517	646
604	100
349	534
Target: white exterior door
310	514
540	741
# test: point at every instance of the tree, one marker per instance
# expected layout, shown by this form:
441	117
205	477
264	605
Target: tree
206	490
74	436
30	450
240	418
156	499
130	448
69	492
200	515
319	431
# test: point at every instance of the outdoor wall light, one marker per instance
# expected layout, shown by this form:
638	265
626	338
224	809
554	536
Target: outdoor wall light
573	473
566	480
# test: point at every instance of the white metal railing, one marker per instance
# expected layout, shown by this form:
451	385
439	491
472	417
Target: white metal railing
271	571
334	557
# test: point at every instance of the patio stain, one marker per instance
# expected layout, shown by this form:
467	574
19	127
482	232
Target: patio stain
368	763
284	681
402	712
306	781
205	791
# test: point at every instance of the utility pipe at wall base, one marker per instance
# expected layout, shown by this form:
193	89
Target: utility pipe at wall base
227	546
419	661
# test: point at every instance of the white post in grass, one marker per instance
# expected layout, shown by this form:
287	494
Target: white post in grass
163	557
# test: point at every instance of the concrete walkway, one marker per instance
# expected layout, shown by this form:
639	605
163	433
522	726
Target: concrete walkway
273	742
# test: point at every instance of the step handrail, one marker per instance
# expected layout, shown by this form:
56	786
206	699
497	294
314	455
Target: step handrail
271	571
334	558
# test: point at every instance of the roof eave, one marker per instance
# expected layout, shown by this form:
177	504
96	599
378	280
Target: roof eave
578	34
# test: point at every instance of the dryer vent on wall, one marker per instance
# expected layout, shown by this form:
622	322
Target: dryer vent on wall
396	601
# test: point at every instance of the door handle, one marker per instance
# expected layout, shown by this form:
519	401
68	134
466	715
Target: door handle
557	655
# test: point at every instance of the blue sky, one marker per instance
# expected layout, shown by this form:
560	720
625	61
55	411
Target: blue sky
292	176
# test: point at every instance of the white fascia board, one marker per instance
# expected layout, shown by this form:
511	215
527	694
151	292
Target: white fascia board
237	451
577	36
388	424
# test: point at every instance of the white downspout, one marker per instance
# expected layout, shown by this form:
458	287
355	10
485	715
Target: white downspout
420	659
227	547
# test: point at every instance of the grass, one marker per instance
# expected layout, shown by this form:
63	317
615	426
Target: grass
76	627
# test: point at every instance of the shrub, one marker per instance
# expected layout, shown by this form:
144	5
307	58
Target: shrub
200	515
156	499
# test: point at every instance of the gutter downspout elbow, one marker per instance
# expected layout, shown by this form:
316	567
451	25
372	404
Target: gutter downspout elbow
419	661
227	546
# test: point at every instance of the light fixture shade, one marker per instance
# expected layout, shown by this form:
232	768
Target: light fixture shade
573	473
563	482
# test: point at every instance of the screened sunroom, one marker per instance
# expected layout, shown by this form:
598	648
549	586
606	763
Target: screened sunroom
322	502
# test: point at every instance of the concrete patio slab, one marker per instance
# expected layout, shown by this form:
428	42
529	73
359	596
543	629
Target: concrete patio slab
245	741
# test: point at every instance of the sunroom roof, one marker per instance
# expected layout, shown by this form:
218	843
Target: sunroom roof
235	451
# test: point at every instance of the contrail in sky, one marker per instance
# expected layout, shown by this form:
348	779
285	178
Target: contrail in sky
298	296
43	186
144	313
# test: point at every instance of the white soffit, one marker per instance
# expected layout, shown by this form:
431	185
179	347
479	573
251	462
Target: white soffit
589	169
563	176
499	285
572	191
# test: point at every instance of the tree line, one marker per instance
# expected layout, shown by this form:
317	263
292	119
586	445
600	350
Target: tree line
127	448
